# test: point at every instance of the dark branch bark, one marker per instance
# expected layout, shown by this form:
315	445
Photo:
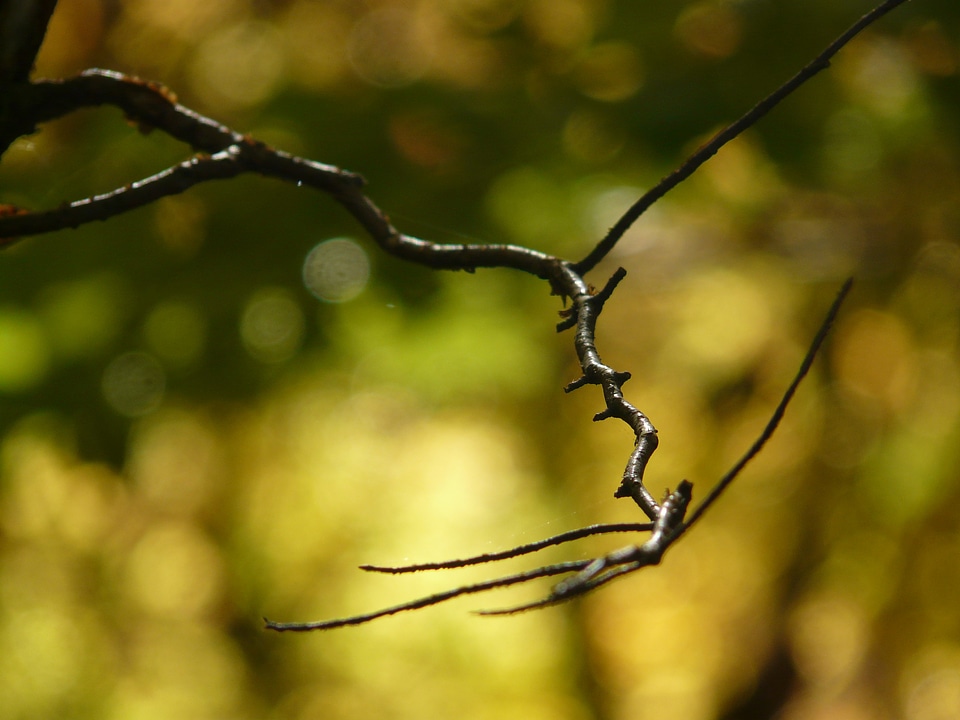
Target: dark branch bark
23	23
226	154
668	527
523	577
564	537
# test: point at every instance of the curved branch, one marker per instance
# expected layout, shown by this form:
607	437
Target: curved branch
152	105
670	525
587	309
667	528
149	104
228	153
100	207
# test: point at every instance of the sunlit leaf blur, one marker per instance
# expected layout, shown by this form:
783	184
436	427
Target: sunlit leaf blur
215	408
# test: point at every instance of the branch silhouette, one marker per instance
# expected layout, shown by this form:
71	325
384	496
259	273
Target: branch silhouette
710	148
668	527
223	153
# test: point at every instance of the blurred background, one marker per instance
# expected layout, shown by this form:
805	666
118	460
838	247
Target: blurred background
214	408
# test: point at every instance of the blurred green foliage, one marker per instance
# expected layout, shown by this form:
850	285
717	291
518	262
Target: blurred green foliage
192	439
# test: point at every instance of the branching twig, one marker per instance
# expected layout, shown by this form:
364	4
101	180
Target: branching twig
152	106
587	309
225	153
440	597
668	527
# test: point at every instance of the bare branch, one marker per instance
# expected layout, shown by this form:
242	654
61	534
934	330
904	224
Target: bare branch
149	104
777	416
620	562
667	528
507	581
587	308
224	153
559	539
707	151
169	182
153	106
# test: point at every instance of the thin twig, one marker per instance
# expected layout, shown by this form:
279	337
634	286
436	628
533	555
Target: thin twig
595	372
668	527
171	181
559	539
777	416
435	599
620	562
747	120
152	105
228	153
557	598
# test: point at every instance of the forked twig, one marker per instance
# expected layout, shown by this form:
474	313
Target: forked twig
668	527
224	153
667	531
440	597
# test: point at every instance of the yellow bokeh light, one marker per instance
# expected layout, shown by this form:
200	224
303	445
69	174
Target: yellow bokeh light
725	320
239	66
829	637
564	24
610	72
24	350
874	358
930	684
271	326
317	65
389	48
173	571
878	75
712	28
176	462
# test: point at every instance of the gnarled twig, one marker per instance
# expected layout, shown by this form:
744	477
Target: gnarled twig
225	153
668	527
